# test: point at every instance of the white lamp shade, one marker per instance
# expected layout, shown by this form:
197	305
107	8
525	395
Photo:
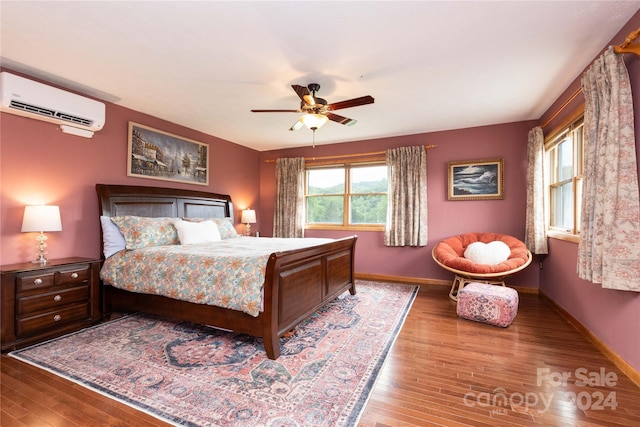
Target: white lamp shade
314	121
248	216
41	218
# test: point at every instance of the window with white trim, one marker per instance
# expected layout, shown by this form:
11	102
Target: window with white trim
564	176
346	196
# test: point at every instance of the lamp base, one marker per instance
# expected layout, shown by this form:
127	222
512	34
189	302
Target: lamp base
42	246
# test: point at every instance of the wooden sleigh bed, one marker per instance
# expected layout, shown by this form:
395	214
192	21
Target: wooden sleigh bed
297	282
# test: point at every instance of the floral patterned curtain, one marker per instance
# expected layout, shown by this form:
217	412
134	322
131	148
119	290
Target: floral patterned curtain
407	197
288	218
609	248
535	227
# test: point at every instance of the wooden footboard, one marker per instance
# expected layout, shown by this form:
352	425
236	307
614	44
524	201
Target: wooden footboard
300	282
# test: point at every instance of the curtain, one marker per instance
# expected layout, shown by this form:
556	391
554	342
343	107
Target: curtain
288	218
535	236
609	248
407	197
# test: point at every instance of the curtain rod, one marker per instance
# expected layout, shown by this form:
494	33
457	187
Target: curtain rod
346	156
630	45
562	107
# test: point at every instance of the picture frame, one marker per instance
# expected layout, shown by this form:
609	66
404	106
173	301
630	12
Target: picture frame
476	179
161	155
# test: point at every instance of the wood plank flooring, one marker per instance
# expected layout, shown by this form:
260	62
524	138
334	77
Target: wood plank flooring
442	370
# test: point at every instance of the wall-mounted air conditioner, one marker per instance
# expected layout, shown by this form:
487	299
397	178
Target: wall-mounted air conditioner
75	114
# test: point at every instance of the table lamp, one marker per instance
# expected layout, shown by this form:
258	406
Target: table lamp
41	218
248	218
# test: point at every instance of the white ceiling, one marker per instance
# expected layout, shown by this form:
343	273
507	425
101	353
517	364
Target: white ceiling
429	65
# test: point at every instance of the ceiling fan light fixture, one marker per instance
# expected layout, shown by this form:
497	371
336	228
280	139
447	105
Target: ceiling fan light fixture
314	121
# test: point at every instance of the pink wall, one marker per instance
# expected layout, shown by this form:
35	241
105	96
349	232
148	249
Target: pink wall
40	164
613	316
446	218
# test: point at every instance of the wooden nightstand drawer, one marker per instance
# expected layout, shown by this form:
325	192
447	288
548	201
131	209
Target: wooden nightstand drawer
58	277
43	301
31	304
77	275
43	322
34	281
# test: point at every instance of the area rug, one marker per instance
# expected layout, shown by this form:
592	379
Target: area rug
193	375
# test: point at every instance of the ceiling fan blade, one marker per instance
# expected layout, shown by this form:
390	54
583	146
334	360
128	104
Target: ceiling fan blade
297	125
304	94
363	100
301	91
276	111
342	120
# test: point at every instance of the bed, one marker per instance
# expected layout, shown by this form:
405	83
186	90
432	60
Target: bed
297	282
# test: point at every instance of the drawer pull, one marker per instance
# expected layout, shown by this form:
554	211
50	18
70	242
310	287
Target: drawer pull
57	318
74	275
57	298
38	281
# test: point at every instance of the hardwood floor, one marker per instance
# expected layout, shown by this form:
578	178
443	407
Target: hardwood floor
442	370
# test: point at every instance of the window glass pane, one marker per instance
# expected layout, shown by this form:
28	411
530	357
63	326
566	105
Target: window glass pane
565	159
562	200
369	179
325	210
368	209
325	181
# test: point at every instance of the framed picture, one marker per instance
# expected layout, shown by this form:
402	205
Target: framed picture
476	179
160	155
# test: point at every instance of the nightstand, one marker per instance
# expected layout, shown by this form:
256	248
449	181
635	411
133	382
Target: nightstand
40	302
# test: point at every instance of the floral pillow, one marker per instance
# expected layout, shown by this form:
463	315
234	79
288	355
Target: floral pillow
225	226
141	232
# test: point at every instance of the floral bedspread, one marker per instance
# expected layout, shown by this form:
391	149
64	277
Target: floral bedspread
228	273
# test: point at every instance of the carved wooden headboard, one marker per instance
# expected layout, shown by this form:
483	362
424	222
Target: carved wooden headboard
118	200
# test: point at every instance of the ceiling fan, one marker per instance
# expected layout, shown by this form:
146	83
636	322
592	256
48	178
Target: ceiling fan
317	111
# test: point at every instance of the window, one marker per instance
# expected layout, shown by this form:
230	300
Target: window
346	195
565	177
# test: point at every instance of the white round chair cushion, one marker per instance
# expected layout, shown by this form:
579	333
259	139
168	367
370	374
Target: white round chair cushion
487	253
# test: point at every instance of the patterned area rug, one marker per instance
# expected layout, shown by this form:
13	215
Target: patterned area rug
192	375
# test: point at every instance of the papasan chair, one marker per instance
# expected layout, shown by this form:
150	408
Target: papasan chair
484	262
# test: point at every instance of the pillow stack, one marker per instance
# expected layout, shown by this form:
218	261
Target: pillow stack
134	232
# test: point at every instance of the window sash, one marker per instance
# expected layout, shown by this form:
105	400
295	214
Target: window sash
344	216
565	171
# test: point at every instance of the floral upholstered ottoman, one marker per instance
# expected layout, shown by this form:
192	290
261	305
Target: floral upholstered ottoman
495	305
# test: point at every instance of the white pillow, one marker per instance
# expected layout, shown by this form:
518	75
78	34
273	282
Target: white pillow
487	253
112	239
197	232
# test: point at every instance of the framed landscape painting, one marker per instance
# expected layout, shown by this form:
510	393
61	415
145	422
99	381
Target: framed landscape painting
476	179
160	155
